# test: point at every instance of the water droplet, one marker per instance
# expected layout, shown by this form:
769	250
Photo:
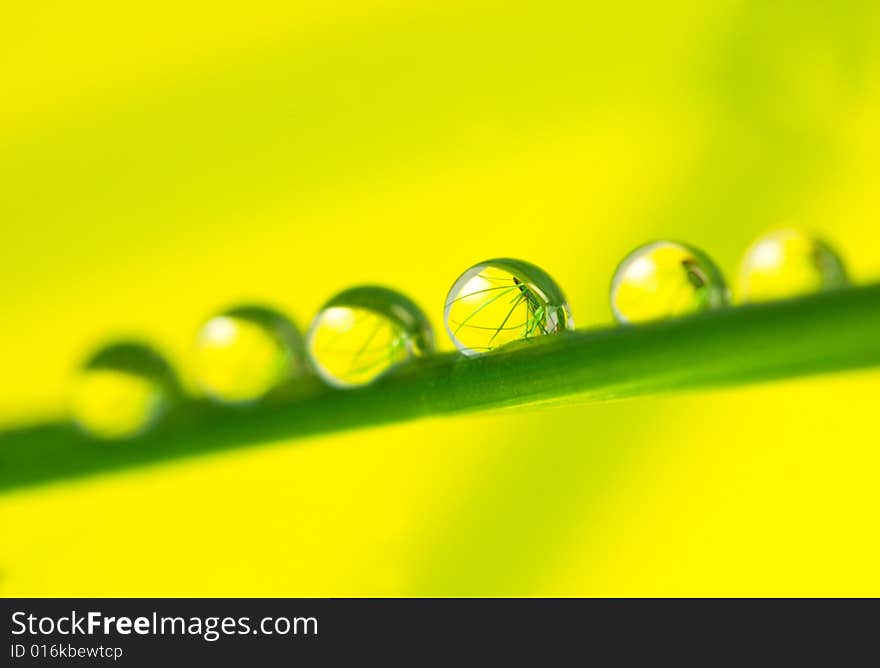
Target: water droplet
666	279
789	263
244	353
500	301
364	332
122	391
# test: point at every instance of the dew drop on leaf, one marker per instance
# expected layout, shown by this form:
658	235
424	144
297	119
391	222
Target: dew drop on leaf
500	301
122	391
788	263
244	353
364	332
666	279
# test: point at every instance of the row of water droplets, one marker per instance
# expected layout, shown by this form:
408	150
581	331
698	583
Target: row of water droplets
244	354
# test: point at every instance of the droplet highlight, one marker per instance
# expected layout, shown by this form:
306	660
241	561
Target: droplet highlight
363	333
244	353
789	263
666	279
122	391
500	301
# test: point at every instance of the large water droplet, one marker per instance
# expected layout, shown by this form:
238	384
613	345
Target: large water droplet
666	279
122	391
244	353
364	332
499	301
788	263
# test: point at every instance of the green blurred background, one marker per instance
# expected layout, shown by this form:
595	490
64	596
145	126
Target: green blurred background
159	162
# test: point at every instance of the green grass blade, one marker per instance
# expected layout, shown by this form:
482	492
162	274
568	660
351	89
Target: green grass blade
818	334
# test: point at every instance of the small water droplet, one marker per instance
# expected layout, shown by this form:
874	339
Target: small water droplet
122	391
666	279
789	263
244	353
500	301
364	332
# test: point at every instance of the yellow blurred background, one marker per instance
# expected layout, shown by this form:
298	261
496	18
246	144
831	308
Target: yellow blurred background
160	162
